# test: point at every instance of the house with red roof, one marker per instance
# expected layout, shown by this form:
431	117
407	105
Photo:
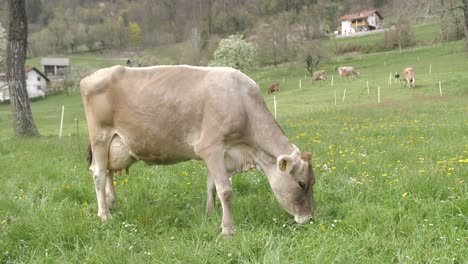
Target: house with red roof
365	20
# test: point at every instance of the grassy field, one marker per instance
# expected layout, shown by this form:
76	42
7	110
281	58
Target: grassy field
391	178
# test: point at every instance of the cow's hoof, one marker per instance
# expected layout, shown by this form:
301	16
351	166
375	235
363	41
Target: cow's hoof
105	216
228	231
110	202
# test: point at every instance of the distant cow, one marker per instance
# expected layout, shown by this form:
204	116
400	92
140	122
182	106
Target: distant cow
319	75
408	77
151	114
274	88
347	71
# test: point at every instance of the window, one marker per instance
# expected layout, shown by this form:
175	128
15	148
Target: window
38	79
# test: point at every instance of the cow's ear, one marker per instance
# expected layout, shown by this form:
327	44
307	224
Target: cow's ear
285	163
306	156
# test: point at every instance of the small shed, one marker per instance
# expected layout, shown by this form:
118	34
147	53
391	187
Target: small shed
55	67
365	20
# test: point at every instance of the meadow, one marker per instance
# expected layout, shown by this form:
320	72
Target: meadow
391	178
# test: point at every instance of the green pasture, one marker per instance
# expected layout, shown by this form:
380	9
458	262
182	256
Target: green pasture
391	178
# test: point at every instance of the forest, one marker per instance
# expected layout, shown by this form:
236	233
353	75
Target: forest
283	27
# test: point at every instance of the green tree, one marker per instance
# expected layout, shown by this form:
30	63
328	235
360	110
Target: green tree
236	53
135	32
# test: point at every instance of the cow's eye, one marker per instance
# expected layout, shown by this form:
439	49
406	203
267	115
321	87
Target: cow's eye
302	185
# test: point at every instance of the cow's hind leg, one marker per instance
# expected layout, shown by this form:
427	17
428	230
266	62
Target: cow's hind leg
100	175
110	190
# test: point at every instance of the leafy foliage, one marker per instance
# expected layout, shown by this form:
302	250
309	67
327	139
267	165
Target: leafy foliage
236	53
135	31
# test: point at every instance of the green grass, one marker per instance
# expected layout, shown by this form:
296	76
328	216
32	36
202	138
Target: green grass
391	179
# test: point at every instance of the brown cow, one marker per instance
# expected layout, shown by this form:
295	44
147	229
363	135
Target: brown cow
274	88
408	77
347	71
319	75
151	114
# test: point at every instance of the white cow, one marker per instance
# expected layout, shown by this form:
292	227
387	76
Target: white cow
408	77
347	71
170	114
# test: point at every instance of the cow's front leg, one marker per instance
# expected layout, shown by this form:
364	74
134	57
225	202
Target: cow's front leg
219	175
110	190
225	194
211	195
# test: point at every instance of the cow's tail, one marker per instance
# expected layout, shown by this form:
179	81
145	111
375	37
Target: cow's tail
90	154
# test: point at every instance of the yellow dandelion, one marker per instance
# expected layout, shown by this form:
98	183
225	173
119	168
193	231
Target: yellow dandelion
384	175
458	180
422	171
404	194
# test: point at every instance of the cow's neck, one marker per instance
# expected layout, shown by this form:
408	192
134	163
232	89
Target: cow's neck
270	144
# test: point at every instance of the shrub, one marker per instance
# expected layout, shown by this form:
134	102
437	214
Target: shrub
236	53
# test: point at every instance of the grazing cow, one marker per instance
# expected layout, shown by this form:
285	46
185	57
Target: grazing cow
274	88
319	75
347	71
170	114
408	77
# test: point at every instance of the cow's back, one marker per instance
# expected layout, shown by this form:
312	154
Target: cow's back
159	111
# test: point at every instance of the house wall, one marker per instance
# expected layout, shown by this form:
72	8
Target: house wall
346	27
374	21
35	84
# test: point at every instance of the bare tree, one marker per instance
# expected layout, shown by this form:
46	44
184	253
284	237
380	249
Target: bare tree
16	56
443	6
3	44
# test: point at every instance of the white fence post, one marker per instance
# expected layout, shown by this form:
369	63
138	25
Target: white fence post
61	122
367	83
274	104
378	94
440	88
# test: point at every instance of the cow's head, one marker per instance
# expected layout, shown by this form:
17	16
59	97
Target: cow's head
292	184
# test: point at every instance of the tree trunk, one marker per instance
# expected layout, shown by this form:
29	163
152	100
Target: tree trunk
16	56
465	25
